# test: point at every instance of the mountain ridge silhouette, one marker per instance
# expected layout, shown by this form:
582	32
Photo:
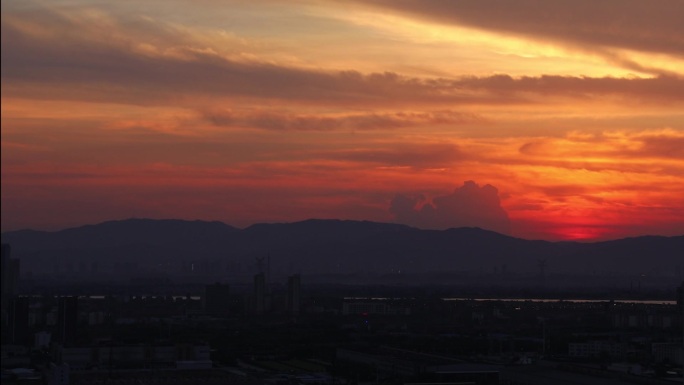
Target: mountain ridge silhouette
324	246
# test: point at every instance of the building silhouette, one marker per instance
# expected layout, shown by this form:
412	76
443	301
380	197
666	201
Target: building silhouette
9	275
18	321
67	320
217	300
293	294
259	294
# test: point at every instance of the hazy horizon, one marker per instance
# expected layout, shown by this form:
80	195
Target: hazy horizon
58	229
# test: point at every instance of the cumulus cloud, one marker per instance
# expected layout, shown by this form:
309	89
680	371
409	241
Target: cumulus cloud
468	206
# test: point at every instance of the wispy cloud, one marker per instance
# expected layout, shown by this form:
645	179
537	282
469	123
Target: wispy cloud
653	27
55	56
269	120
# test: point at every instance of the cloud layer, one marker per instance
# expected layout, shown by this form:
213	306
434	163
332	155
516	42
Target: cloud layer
45	56
251	112
603	26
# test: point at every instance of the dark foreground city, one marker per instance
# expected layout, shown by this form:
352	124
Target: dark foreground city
287	331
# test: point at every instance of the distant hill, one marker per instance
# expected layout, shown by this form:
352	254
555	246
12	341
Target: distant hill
118	233
180	249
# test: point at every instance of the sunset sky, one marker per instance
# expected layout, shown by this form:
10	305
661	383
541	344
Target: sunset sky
389	110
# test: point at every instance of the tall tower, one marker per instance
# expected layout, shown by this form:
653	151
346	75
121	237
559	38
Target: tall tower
67	319
259	294
293	294
541	263
18	322
9	271
4	280
680	304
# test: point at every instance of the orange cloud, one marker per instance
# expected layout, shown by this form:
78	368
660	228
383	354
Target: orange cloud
653	27
282	121
107	115
50	57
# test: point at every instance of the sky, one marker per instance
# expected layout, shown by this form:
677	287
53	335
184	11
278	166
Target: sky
556	120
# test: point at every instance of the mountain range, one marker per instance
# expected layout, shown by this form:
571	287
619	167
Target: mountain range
178	249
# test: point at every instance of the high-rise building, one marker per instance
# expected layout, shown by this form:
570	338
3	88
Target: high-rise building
18	321
680	297
259	294
67	320
9	277
217	299
4	281
293	294
14	271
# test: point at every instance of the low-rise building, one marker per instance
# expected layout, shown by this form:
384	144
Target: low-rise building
672	353
132	356
594	349
373	307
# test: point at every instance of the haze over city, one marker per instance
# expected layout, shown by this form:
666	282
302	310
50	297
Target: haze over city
541	120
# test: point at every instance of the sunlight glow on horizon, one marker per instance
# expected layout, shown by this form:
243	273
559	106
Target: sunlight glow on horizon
283	111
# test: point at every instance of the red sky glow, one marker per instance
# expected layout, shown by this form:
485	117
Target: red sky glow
278	111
